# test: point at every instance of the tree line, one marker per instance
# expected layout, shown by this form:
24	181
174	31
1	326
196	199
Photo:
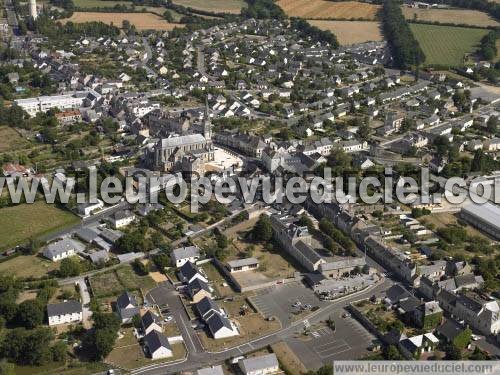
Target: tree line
316	34
405	48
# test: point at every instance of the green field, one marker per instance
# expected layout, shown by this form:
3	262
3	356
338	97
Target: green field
447	45
99	3
216	6
10	140
21	222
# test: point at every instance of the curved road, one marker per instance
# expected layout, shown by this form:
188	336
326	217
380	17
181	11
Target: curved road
198	358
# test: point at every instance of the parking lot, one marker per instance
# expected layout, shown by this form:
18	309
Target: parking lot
279	301
349	341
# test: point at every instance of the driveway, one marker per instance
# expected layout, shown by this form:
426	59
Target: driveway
85	296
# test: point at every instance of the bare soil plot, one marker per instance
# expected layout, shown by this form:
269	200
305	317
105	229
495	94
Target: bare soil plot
322	9
456	16
351	32
216	6
142	21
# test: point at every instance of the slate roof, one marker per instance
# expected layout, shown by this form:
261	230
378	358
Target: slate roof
62	246
149	318
205	306
195	286
185	252
64	308
450	329
155	340
125	299
216	322
188	270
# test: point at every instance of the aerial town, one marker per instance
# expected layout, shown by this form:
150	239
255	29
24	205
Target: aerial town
247	90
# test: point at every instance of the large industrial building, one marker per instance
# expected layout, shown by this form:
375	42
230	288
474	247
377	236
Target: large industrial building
485	217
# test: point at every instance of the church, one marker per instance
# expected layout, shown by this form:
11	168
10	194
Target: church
186	153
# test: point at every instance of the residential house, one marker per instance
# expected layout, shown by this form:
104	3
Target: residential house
61	249
413	347
182	255
197	290
157	345
189	272
127	307
121	219
150	321
64	312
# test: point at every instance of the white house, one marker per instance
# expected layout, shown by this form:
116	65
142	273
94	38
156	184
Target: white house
157	345
61	249
121	219
86	209
182	255
189	272
64	312
262	365
151	322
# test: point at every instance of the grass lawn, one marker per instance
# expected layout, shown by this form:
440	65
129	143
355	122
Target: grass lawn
132	356
132	281
11	140
28	266
106	284
113	283
21	222
446	45
59	368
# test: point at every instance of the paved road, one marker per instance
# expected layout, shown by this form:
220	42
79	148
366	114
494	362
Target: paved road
197	358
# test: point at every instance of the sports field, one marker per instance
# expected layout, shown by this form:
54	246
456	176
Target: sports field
142	21
446	45
322	9
216	6
21	222
456	16
350	32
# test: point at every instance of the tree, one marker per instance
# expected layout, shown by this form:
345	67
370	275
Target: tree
492	125
263	231
59	352
28	347
391	353
70	267
100	341
453	353
30	314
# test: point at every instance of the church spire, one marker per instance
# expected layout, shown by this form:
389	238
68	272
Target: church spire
207	123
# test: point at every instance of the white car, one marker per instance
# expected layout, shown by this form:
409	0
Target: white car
297	304
168	319
476	337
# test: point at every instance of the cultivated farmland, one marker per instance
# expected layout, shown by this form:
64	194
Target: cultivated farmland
446	45
456	16
322	9
350	32
142	21
216	6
